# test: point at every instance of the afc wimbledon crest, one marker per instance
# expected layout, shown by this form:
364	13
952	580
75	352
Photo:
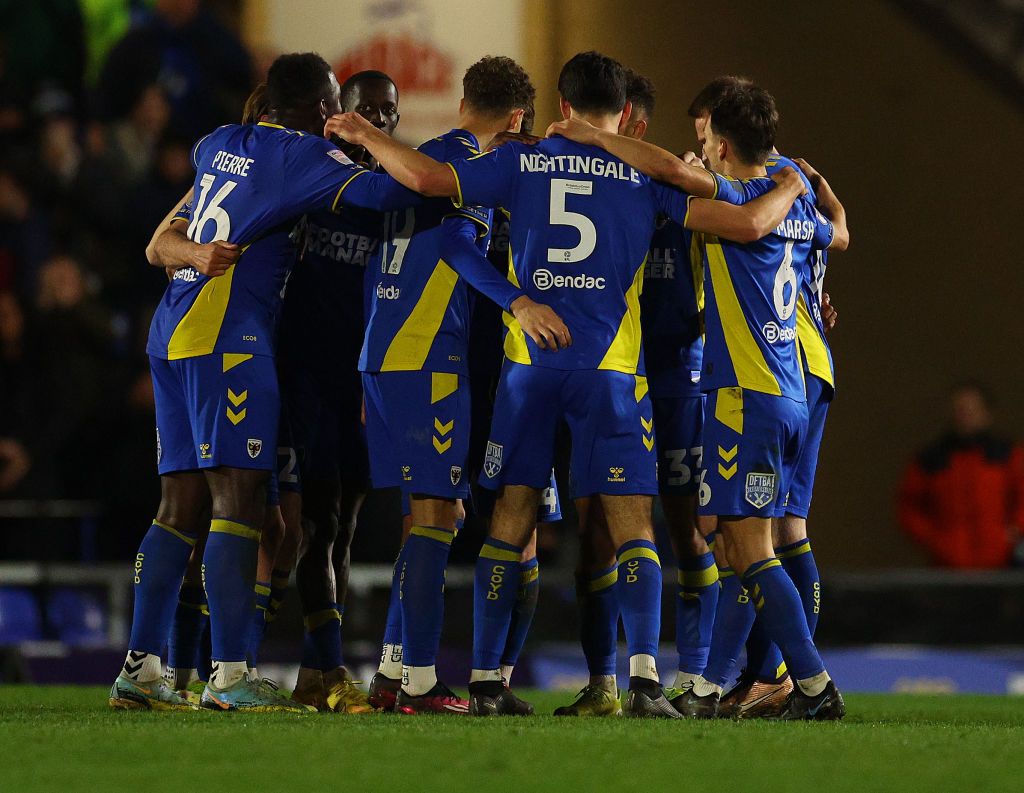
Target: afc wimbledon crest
456	474
492	459
760	490
254	446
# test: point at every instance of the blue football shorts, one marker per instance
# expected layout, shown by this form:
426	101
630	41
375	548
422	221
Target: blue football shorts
417	430
216	410
819	396
610	420
679	424
752	443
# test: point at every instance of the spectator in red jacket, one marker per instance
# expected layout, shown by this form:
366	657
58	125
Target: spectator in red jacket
962	497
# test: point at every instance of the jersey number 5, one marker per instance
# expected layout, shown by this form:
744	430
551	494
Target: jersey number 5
560	216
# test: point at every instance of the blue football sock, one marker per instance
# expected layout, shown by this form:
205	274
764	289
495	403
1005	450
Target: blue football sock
798	561
696	603
187	628
422	593
278	590
393	624
599	620
159	569
259	620
494	597
778	604
229	572
322	642
522	611
763	656
733	620
639	594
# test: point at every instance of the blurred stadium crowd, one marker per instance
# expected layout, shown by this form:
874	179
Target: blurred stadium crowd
100	102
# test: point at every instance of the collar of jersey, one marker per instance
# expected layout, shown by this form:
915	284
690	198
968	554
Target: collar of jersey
279	126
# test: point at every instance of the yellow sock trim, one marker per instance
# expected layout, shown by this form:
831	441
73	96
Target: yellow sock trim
605	581
191	541
318	618
640	553
435	534
500	554
261	590
802	548
231	527
698	579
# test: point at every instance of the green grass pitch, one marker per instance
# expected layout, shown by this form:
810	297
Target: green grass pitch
65	739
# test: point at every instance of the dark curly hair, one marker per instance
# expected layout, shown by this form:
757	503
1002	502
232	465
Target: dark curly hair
746	116
640	91
297	80
496	85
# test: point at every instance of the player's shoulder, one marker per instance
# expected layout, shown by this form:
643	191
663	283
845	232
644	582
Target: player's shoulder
456	144
776	162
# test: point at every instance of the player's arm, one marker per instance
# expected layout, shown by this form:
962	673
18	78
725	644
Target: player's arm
171	249
740	223
377	191
656	162
460	251
413	169
829	205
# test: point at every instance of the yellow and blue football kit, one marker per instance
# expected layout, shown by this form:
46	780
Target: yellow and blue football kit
670	316
212	340
581	225
819	371
756	411
414	356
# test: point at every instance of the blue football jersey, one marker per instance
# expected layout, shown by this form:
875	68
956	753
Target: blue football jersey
751	293
810	330
419	307
581	226
670	312
253	183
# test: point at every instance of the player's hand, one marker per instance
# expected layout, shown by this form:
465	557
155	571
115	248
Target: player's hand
809	172
690	158
789	179
351	127
574	129
512	137
829	315
214	258
541	323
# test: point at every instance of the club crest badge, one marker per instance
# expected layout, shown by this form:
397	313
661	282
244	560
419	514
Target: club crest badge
492	459
456	474
254	447
760	490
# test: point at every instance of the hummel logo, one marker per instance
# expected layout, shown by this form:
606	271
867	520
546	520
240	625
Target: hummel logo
133	664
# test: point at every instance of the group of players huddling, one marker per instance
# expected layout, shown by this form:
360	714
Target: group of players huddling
667	310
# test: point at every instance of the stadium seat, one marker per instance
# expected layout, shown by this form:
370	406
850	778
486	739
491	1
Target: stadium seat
20	618
76	616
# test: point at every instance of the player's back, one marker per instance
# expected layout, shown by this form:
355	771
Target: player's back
252	184
418	307
581	226
810	325
671	306
751	294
